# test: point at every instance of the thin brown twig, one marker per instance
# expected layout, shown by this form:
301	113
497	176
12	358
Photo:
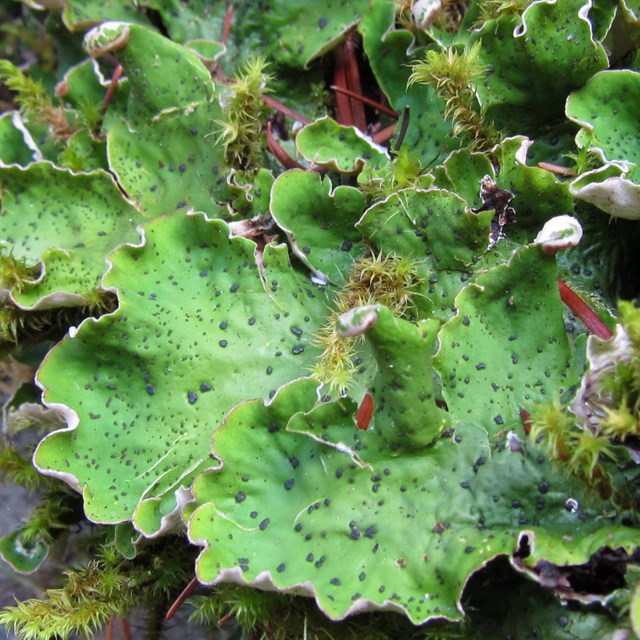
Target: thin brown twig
179	601
554	168
372	103
281	155
385	134
353	83
284	109
125	629
584	312
226	618
344	115
108	632
111	89
228	19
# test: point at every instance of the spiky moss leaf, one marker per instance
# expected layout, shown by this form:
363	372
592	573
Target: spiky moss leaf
429	134
324	509
344	149
421	224
13	147
23	558
164	150
537	64
196	332
319	222
69	222
506	347
80	15
538	194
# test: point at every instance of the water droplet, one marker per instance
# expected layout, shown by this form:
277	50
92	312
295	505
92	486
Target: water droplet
240	496
288	484
264	524
281	567
297	350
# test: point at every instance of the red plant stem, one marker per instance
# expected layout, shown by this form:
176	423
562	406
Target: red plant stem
554	168
108	633
384	135
372	103
125	629
226	618
111	89
179	601
226	29
584	312
526	421
353	83
281	155
274	104
344	115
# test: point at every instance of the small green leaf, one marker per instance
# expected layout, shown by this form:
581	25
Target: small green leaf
318	221
23	557
343	149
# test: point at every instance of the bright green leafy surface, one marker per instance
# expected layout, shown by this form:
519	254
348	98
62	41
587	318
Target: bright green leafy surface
429	134
164	148
400	516
343	149
609	107
195	333
68	221
13	149
497	347
315	218
359	525
535	63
